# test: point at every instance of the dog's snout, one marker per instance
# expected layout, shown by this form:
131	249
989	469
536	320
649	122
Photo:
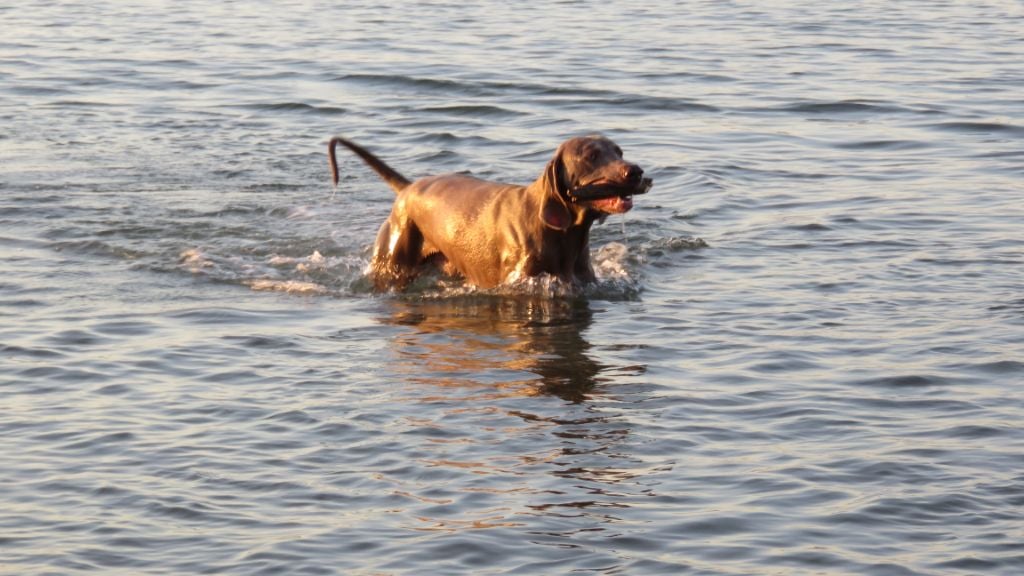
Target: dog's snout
632	172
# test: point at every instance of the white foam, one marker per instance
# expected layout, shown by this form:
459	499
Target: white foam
609	262
301	213
289	286
195	261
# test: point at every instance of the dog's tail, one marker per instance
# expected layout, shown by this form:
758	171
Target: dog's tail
394	179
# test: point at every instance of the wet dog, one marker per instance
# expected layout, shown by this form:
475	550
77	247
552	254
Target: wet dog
489	232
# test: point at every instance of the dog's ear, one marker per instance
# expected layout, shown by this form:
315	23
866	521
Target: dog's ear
554	212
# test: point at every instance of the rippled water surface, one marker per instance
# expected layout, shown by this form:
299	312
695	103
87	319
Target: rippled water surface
805	354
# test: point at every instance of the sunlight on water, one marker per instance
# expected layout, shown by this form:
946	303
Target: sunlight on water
803	353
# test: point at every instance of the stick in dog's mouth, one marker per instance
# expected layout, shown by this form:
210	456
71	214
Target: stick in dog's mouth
601	190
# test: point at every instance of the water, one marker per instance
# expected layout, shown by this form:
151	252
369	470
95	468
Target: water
805	355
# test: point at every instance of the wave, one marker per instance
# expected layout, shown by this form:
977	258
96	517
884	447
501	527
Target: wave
647	103
80	104
36	90
893	145
300	107
399	81
844	107
573	95
97	248
979	128
473	110
903	381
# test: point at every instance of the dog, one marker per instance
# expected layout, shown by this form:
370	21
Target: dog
491	233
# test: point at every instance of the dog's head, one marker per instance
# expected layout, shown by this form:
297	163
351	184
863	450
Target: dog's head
588	177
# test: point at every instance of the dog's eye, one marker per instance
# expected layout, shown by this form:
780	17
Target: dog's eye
592	155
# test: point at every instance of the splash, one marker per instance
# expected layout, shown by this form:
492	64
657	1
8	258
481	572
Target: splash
614	282
347	275
616	279
289	286
610	262
314	274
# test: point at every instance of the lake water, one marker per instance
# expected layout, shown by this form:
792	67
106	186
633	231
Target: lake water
805	354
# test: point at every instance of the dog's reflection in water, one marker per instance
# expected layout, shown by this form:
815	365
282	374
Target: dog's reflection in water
505	345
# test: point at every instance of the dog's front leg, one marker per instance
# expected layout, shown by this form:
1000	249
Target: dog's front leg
396	253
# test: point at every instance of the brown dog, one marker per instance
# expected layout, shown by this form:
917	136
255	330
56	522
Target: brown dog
490	233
